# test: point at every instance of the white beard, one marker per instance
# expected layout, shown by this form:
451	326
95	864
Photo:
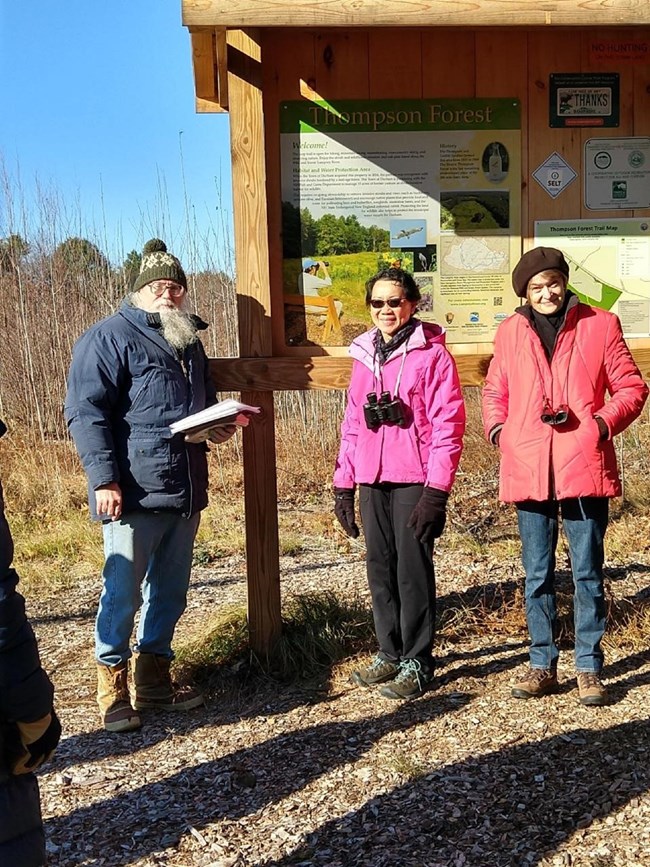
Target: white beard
178	329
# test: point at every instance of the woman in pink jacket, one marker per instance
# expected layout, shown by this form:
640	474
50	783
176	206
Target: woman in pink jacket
544	405
401	441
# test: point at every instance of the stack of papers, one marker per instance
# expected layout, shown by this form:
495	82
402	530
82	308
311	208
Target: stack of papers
219	414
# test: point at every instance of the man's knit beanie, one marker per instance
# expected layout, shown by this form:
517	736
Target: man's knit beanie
158	264
534	262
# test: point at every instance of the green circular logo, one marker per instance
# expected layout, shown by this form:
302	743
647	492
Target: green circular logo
636	159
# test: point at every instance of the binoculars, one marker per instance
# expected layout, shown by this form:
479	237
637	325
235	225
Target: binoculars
382	410
555	416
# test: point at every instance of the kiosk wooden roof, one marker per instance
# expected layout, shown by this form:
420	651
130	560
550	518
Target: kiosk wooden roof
251	55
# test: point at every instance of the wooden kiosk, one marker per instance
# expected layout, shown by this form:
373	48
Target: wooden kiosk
577	72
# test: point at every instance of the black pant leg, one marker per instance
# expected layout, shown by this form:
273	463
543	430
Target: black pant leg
381	567
415	579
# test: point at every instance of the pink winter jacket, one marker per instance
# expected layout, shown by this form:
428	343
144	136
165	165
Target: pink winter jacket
590	359
428	448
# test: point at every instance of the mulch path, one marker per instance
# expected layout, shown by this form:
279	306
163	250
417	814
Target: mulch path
337	775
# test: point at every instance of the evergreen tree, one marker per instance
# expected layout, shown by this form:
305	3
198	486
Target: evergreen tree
12	250
131	269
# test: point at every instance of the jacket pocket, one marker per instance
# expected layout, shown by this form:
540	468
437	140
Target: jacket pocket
150	463
142	390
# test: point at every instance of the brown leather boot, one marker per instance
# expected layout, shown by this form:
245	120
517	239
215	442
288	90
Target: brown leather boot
154	687
535	682
113	699
591	689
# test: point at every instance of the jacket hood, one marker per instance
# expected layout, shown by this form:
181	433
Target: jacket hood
425	334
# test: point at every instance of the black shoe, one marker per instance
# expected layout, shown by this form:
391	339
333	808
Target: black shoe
413	680
379	671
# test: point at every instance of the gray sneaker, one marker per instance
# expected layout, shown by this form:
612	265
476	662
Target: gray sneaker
413	680
379	671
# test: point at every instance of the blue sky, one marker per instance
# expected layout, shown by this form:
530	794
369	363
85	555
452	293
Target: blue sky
98	117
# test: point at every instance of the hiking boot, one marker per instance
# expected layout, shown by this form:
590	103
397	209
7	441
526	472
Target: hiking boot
154	688
113	699
379	671
535	683
591	689
412	681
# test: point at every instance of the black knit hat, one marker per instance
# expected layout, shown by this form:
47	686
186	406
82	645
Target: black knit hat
534	262
158	264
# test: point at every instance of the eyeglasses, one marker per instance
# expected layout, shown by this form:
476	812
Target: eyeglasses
555	416
377	303
175	289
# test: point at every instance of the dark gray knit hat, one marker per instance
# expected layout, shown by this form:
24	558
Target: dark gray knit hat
158	264
533	262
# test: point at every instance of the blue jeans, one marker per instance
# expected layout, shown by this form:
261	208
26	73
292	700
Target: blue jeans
584	521
148	562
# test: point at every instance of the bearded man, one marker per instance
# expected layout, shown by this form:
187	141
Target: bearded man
132	375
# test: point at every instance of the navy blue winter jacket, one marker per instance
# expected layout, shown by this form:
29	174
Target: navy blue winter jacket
125	387
25	695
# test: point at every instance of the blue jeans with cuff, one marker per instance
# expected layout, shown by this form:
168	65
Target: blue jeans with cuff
148	562
584	521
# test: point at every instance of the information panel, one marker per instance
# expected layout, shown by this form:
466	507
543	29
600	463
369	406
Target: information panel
432	186
609	264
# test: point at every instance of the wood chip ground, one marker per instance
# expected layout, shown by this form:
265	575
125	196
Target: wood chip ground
339	776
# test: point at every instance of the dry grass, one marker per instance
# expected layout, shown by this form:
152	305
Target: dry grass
319	629
45	491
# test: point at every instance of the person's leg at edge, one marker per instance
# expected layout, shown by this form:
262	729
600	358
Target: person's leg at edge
585	521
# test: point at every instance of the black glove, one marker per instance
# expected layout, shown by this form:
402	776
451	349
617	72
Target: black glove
344	510
603	430
429	516
39	739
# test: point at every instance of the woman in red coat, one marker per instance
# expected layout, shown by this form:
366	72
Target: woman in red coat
555	360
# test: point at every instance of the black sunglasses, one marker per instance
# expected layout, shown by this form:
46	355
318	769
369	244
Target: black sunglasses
377	303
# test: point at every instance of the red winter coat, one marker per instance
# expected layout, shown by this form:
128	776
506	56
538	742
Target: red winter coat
590	359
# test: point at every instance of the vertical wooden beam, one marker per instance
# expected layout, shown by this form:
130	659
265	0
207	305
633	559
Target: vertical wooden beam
548	51
209	69
401	76
341	64
625	126
501	70
221	52
448	63
288	67
254	306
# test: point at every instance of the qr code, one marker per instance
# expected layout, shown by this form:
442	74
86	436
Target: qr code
497	301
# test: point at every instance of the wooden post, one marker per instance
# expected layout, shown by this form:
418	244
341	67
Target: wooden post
254	306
